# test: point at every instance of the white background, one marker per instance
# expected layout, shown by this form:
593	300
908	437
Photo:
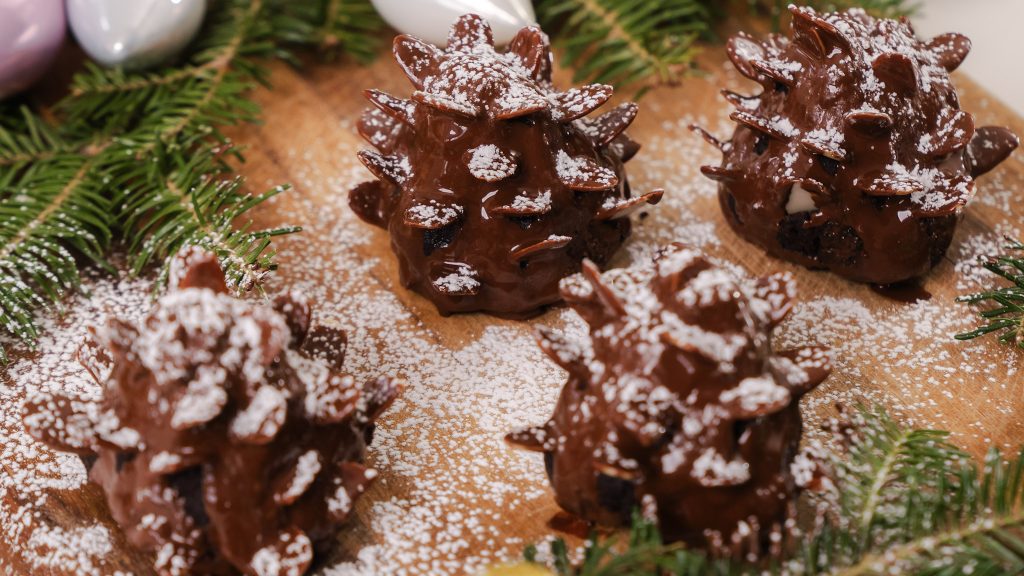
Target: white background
996	27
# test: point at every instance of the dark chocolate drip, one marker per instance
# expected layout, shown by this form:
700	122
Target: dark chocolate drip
570	524
906	292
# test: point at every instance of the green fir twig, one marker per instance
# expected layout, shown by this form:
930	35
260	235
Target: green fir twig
1005	315
349	27
53	207
625	42
910	503
139	158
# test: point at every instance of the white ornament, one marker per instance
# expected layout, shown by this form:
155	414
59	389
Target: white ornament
134	33
430	20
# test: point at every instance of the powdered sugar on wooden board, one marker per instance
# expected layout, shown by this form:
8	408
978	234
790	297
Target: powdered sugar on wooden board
32	472
899	355
451	498
975	250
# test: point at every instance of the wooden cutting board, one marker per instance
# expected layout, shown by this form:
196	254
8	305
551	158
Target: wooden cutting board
451	497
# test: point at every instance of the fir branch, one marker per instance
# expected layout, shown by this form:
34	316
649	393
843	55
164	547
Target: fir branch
892	468
139	157
351	27
1006	314
164	106
52	205
978	526
100	81
623	42
195	201
910	503
25	139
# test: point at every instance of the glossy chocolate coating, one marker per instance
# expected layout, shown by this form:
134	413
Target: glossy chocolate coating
225	438
677	404
492	184
855	157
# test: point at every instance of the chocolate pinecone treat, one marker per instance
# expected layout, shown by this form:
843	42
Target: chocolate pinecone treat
491	183
224	436
856	156
676	403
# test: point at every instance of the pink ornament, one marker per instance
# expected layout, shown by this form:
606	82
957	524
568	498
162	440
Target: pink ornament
31	33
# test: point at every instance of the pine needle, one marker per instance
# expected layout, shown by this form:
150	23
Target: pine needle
53	205
1005	315
627	42
349	27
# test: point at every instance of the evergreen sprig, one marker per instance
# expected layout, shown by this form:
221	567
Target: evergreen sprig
910	503
336	27
54	207
625	42
196	201
1006	314
141	158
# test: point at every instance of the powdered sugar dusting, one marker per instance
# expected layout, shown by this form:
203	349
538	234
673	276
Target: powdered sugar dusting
31	471
490	163
977	249
902	355
583	170
461	281
450	497
433	214
526	204
712	469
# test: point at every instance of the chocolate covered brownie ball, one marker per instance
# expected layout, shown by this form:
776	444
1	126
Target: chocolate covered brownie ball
855	157
676	403
492	184
223	434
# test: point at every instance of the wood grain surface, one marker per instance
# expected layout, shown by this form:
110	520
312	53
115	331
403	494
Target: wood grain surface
975	390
